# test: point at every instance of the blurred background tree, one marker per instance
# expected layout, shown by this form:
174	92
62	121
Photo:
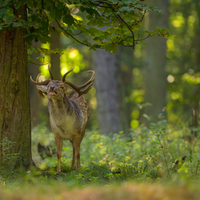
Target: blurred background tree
155	62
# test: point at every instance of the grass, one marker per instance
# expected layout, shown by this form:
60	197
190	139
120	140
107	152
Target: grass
146	164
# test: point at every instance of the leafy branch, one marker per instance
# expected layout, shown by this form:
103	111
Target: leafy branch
71	34
120	19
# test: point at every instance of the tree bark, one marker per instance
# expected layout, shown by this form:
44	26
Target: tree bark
14	99
155	61
55	58
34	97
108	91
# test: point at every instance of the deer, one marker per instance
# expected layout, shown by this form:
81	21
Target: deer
68	112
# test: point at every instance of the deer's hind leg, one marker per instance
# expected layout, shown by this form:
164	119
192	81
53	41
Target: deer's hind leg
76	153
59	144
73	158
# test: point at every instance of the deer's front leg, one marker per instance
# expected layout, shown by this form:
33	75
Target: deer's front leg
59	144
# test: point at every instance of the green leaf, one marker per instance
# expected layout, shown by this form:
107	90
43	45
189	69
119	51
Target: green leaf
108	47
126	9
48	39
92	11
68	2
3	3
89	11
2	11
15	24
158	28
113	49
53	13
42	39
8	18
60	5
58	15
68	19
82	9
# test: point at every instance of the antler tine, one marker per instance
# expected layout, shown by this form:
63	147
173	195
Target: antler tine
88	85
43	82
63	79
40	83
37	78
50	71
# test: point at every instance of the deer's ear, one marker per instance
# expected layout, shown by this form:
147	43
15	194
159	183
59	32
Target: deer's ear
42	89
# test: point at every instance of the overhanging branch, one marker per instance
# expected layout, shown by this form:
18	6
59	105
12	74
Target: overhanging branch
71	35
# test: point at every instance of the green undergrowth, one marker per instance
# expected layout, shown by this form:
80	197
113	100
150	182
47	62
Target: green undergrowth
159	153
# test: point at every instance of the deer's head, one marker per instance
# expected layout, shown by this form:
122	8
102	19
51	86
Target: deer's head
57	89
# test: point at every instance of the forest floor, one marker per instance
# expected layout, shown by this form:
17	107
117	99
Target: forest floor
147	164
124	191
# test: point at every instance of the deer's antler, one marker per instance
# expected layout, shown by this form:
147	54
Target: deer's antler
88	84
42	82
63	79
50	71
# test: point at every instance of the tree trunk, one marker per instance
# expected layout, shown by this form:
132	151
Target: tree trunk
55	58
34	97
14	99
195	104
108	91
155	62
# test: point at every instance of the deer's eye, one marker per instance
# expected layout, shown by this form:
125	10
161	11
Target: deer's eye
62	87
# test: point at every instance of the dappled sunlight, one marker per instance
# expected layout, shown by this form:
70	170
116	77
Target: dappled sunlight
176	96
192	79
73	53
170	45
135	116
137	96
134	123
170	79
45	60
93	102
178	20
71	58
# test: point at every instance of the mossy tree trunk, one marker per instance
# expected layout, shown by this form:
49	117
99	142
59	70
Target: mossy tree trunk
14	99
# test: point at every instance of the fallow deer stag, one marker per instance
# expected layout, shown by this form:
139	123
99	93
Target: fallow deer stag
69	112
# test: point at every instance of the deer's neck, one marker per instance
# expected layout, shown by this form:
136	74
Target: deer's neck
60	106
63	106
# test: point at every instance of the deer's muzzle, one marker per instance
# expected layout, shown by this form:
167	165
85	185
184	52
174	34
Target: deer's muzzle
52	91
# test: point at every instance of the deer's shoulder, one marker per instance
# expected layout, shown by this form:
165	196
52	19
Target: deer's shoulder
80	101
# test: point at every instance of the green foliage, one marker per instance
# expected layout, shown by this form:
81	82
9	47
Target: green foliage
119	19
7	155
161	152
183	63
160	32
